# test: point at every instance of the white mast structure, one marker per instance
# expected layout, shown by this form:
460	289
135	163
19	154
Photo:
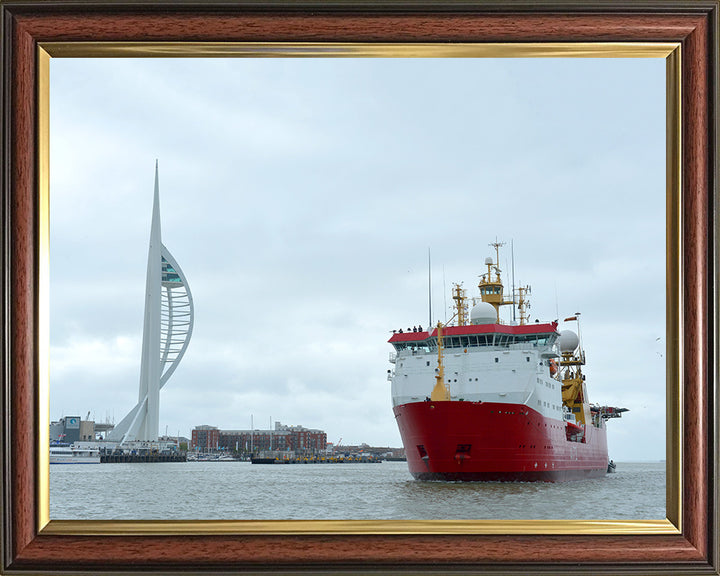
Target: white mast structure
167	328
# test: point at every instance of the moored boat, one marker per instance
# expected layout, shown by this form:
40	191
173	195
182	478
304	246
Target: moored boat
74	454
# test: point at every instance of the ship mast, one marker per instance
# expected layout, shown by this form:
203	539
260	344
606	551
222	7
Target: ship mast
523	304
491	288
461	305
429	291
512	259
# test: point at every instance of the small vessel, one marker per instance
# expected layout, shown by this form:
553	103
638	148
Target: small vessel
261	460
74	454
480	399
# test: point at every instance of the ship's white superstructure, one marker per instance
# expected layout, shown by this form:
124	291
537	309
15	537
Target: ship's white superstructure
483	368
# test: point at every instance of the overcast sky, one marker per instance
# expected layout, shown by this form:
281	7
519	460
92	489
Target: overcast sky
300	197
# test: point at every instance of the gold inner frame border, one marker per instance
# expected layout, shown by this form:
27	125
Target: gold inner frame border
674	310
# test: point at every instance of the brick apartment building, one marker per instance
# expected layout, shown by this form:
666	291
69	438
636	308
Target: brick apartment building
205	438
296	439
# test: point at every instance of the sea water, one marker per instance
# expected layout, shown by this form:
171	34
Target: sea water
240	491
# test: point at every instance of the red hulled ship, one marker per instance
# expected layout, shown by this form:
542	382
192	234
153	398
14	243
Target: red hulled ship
483	400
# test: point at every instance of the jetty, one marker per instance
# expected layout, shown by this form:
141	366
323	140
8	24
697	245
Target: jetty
127	457
315	460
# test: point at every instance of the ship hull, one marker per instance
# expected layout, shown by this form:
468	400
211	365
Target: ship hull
489	441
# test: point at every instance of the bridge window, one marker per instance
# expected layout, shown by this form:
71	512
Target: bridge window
423	346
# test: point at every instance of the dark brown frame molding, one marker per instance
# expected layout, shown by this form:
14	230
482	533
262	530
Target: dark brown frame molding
25	25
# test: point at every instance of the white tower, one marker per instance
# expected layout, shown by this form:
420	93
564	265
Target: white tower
167	328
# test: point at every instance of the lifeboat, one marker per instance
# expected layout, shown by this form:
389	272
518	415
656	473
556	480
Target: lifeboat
553	367
574	431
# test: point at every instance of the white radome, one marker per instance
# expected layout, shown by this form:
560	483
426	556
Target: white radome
568	341
483	313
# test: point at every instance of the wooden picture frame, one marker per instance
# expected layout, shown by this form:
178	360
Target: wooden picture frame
686	543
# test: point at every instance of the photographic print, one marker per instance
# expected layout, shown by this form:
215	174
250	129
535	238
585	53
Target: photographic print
313	210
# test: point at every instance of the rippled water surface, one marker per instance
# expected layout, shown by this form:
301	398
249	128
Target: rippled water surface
240	490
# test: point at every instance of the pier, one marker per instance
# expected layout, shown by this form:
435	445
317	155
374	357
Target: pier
316	460
125	457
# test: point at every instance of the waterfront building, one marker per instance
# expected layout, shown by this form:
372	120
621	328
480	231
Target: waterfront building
167	328
204	438
72	429
295	439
